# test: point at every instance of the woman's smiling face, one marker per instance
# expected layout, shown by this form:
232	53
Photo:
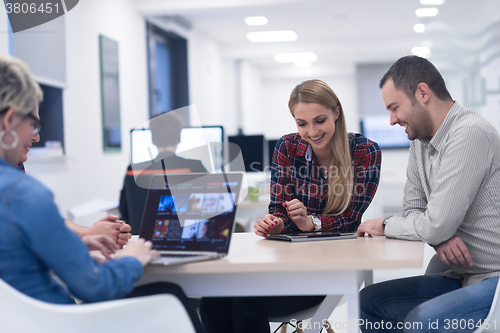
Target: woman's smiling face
315	124
22	126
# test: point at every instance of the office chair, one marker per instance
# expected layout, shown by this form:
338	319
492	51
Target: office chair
321	311
159	313
136	200
437	266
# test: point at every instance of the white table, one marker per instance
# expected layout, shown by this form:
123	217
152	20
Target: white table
258	267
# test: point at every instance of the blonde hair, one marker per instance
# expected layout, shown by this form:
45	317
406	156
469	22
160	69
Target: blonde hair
18	89
317	91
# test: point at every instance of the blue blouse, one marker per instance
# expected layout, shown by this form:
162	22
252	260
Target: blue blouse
34	241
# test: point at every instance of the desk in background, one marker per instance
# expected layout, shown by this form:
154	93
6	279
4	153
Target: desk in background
248	212
258	267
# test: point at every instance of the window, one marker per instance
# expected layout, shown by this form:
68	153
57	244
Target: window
168	71
51	114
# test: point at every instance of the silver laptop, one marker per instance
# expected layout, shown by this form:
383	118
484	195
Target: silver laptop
190	217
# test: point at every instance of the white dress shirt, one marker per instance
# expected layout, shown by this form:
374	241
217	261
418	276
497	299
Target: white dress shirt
453	188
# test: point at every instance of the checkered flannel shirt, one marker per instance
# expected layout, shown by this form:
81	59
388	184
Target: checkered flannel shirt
297	175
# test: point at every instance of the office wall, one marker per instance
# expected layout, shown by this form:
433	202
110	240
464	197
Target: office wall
43	49
212	82
4	36
255	119
274	116
490	71
87	171
491	74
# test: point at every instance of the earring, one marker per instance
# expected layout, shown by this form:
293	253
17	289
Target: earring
13	144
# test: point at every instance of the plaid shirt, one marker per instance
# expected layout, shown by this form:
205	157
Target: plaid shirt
297	175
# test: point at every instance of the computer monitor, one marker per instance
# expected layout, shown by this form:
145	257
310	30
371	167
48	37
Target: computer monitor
252	150
143	150
378	129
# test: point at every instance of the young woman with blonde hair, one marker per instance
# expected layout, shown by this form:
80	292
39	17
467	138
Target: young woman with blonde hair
323	178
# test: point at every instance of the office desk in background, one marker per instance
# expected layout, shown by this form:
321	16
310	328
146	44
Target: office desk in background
249	212
258	267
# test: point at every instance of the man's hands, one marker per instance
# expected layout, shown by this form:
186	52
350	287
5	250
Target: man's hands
111	227
454	252
270	224
101	243
451	252
371	227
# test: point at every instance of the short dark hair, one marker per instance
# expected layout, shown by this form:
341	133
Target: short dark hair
408	72
166	129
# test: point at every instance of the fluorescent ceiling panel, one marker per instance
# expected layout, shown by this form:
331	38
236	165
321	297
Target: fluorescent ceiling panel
426	12
256	20
272	36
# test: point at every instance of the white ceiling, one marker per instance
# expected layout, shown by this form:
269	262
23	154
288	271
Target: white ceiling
341	32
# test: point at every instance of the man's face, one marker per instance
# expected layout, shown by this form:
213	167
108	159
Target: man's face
411	115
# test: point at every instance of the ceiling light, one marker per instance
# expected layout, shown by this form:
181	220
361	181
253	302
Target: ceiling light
419	28
299	57
272	36
432	2
426	12
421	51
303	64
256	20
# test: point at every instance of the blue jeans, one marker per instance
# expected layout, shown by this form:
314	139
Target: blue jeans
427	303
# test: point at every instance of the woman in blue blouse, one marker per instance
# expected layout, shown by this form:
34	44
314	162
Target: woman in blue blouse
323	178
34	240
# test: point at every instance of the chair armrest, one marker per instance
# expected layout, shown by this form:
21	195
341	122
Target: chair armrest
436	266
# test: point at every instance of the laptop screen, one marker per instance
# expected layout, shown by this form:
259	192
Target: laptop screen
191	212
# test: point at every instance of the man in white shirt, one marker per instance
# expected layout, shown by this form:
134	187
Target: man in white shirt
450	202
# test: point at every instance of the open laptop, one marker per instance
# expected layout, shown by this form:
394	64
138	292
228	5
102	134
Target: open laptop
190	217
312	236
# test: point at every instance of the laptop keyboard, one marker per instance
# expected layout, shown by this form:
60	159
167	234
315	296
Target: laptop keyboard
179	255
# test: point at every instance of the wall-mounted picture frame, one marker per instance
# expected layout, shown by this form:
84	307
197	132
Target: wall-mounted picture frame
110	94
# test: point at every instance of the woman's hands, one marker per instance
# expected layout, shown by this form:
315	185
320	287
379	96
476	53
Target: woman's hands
111	226
106	245
270	224
298	214
140	249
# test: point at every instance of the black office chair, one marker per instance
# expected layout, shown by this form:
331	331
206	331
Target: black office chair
136	200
